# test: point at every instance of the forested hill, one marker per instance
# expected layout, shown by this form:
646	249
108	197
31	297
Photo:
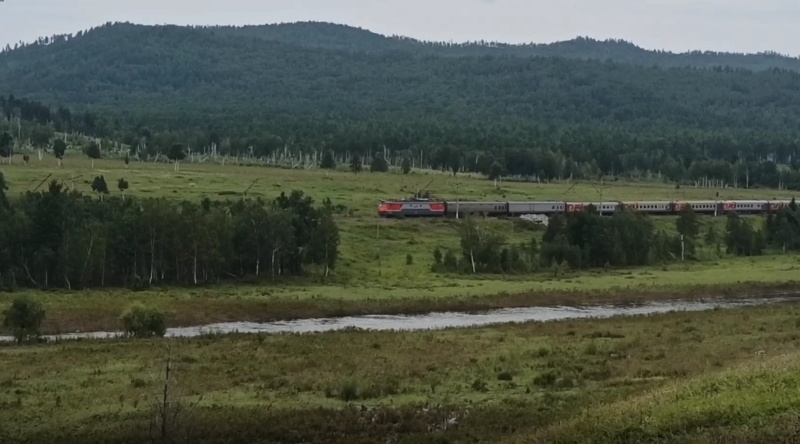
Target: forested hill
334	36
343	37
175	76
154	86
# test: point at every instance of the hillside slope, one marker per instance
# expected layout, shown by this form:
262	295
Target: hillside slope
334	36
198	72
245	88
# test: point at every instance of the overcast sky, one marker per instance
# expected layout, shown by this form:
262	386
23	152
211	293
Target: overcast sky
676	25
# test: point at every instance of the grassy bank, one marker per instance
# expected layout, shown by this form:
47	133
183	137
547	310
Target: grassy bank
99	310
385	265
669	378
373	251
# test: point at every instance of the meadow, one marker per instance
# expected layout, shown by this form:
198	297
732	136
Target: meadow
719	376
385	264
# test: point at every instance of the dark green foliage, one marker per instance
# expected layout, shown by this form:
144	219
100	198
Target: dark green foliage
712	125
783	229
588	240
325	238
688	225
454	161
533	251
6	144
24	318
142	322
59	148
26	158
355	163
450	262
122	184
176	153
495	170
482	251
41	135
406	165
742	239
3	188
64	239
127	159
379	164
99	185
577	240
349	391
480	247
711	236
410	259
328	161
93	150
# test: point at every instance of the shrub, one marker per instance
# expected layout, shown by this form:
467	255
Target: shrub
409	259
505	376
545	379
143	322
590	348
348	391
24	318
437	256
542	352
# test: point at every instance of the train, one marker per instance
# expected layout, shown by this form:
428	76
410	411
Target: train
450	208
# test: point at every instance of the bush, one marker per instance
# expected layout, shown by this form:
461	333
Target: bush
546	379
379	165
348	391
24	318
142	322
409	259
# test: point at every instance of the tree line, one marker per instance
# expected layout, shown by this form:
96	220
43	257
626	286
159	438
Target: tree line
588	240
62	239
525	118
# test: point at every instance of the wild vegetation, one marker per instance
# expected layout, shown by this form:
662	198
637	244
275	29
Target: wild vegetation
63	239
373	273
627	239
719	376
535	118
178	208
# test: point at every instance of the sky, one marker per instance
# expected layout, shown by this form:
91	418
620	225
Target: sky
674	25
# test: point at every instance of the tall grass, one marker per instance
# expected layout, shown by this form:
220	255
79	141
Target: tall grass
683	374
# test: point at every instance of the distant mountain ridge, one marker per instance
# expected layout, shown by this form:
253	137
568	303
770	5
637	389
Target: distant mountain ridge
331	36
336	72
343	37
583	105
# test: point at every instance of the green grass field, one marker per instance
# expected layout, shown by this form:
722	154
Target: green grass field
373	274
666	378
720	376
